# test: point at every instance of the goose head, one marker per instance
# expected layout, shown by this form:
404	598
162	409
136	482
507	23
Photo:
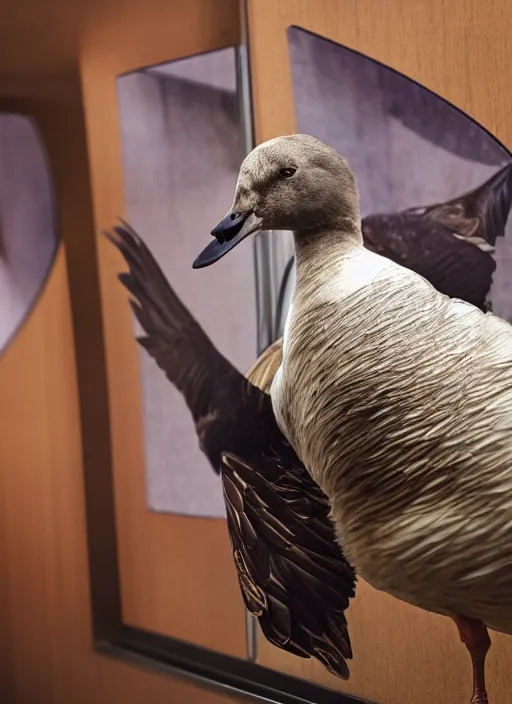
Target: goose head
294	183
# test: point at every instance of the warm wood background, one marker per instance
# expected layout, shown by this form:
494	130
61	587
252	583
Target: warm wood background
50	52
53	399
459	49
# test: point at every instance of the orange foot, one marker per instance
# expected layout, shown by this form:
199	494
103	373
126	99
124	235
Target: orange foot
474	635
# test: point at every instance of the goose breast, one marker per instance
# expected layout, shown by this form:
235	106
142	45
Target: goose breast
399	402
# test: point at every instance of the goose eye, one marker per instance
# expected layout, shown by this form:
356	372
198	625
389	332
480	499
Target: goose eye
287	173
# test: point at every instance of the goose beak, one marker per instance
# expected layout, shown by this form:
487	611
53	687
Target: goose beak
230	231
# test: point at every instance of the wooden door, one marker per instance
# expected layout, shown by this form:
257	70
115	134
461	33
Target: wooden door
458	51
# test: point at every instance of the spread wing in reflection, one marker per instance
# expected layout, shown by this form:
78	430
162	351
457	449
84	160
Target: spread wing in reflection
450	243
293	575
480	215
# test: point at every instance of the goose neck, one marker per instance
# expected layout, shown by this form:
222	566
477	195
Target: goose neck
317	249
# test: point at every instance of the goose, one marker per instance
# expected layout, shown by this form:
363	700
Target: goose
397	398
174	338
293	575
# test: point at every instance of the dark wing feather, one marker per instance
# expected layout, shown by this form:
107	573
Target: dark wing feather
172	334
181	348
293	574
481	212
454	267
428	239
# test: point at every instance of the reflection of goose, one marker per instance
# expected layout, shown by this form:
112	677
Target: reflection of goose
450	243
397	398
480	215
292	574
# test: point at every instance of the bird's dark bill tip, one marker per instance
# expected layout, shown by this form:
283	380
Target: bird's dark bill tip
216	250
228	233
213	252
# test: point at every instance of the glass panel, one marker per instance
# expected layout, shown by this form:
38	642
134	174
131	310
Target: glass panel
182	149
28	233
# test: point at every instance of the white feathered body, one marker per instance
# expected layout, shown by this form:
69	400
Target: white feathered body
399	401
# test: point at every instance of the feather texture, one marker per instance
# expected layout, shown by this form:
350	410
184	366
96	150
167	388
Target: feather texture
405	421
397	398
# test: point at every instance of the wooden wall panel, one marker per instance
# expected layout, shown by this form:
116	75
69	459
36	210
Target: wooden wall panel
46	640
459	50
177	573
